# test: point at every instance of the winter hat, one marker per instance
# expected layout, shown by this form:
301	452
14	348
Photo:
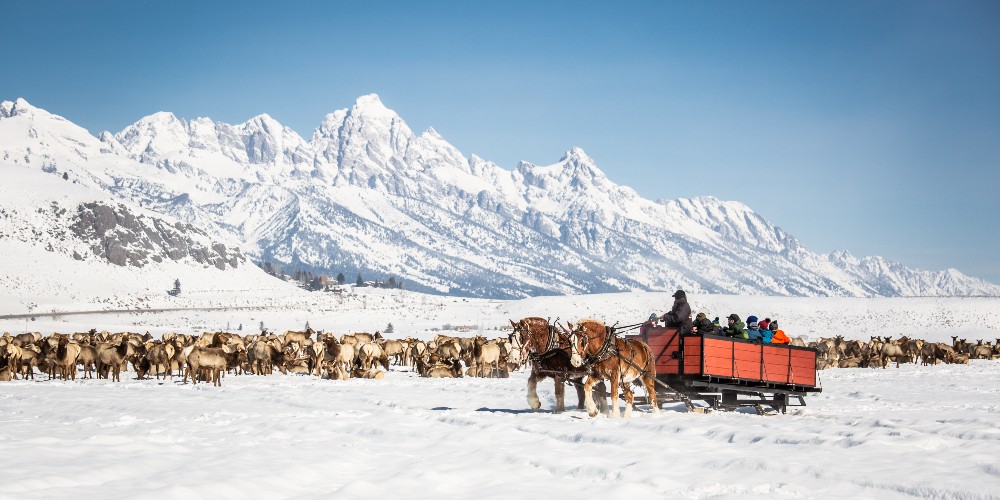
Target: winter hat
680	293
773	326
751	319
734	317
701	316
716	320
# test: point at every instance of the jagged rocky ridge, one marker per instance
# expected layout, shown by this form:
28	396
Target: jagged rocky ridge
123	238
368	195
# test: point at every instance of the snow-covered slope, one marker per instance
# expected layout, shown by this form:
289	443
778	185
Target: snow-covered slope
67	246
367	195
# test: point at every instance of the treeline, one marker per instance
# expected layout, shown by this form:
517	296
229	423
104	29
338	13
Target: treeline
319	282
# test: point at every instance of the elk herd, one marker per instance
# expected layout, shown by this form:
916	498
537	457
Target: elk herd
213	354
881	351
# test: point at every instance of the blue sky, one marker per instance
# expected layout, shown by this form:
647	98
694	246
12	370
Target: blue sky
871	126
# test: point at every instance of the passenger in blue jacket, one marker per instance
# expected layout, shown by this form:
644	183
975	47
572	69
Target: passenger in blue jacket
753	330
766	335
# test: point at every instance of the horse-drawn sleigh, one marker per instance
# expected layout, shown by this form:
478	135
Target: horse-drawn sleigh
724	373
728	373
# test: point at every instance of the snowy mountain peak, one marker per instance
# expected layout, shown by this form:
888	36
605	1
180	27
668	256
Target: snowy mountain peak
580	166
575	170
157	133
17	107
371	105
265	122
577	154
431	133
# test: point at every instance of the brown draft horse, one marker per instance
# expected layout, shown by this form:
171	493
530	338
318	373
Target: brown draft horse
621	361
548	352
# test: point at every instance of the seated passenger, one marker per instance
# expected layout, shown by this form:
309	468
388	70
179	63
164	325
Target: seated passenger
735	329
753	330
703	326
764	323
680	314
779	335
766	335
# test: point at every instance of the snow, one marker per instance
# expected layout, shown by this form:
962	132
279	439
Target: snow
912	432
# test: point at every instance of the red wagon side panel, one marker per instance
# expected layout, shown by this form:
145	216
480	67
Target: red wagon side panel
692	355
802	367
663	342
718	355
776	364
746	361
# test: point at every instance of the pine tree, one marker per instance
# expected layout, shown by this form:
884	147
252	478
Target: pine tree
388	329
392	282
359	282
177	288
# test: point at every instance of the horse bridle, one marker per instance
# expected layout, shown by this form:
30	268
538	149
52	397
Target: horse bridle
551	342
608	347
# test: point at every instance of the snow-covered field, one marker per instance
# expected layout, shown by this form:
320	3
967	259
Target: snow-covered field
924	432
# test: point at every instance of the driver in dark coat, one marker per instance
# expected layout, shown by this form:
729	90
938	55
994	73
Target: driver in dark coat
680	314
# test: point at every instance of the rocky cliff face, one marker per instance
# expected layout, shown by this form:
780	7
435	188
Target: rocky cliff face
122	238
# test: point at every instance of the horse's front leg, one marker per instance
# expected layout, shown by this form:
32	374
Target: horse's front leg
602	390
560	382
588	395
533	401
614	395
580	399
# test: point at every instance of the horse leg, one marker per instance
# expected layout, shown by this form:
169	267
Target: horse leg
588	401
580	399
629	398
560	387
533	401
614	395
650	386
602	391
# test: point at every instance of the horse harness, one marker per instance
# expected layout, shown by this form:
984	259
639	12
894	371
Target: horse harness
551	345
608	348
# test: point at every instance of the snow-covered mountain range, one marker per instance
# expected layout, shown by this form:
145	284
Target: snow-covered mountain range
368	195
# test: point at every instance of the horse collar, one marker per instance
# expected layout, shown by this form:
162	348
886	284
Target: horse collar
608	349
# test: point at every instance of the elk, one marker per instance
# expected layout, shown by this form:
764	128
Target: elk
111	356
67	354
207	361
891	350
